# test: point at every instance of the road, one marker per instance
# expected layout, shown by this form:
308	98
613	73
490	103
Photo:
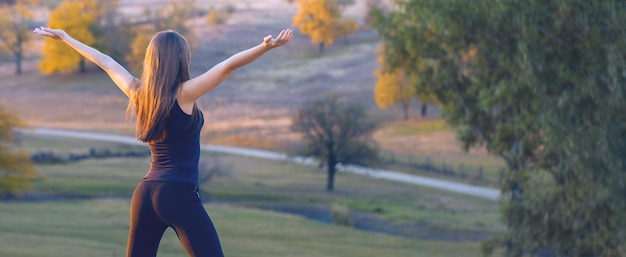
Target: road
481	192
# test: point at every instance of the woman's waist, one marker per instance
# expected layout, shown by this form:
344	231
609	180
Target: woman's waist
186	175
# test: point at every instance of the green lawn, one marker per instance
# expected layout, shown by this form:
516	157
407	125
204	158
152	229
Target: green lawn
99	228
98	222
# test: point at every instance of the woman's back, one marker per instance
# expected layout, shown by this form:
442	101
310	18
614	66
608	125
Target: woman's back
176	157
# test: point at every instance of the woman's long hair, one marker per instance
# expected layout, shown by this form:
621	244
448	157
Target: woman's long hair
165	67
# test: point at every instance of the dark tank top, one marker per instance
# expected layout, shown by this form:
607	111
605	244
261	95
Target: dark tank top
176	157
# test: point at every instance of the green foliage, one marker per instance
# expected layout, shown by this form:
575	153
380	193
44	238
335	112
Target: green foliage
540	84
16	169
336	133
112	31
397	84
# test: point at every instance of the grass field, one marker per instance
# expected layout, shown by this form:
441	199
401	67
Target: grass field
99	228
256	182
443	223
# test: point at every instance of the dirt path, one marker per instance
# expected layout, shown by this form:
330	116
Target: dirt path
482	192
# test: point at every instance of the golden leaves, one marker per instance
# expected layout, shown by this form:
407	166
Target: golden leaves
72	17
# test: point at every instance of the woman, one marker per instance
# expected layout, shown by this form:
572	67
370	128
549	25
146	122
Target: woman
168	119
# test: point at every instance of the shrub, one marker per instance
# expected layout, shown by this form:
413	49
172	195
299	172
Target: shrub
341	215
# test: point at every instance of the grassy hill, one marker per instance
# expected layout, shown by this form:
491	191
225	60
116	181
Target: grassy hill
99	228
85	203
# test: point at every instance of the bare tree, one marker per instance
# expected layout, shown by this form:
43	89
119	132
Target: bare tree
335	132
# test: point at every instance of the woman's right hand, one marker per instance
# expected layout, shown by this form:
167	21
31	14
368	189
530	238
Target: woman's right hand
58	34
283	38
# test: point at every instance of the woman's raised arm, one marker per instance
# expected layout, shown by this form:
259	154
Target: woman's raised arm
194	88
120	76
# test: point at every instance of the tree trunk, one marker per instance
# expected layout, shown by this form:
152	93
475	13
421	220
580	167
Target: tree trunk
18	62
517	193
405	110
423	110
81	65
330	183
331	165
516	198
18	57
321	47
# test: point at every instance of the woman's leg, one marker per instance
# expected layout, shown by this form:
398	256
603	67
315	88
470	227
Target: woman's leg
146	228
197	234
181	208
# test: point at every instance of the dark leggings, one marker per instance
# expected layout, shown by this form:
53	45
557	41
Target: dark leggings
156	205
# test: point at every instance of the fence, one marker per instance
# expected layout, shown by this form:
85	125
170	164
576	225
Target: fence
426	164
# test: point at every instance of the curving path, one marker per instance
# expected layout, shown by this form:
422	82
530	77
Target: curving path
482	192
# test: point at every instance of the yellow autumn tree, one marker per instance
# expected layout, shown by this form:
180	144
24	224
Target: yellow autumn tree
72	17
347	28
16	168
15	21
393	88
322	21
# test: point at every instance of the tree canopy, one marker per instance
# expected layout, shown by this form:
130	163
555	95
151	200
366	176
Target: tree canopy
322	21
335	132
172	17
16	168
110	30
393	88
71	16
16	20
540	84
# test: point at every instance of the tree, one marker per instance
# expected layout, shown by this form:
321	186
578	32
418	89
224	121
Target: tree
347	28
397	86
16	20
371	7
174	17
138	48
540	84
16	168
219	15
58	57
336	133
393	88
111	31
396	49
322	21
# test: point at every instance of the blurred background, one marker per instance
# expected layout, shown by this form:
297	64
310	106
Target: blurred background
521	99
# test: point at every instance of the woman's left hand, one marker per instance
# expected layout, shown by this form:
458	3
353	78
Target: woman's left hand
58	34
283	38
